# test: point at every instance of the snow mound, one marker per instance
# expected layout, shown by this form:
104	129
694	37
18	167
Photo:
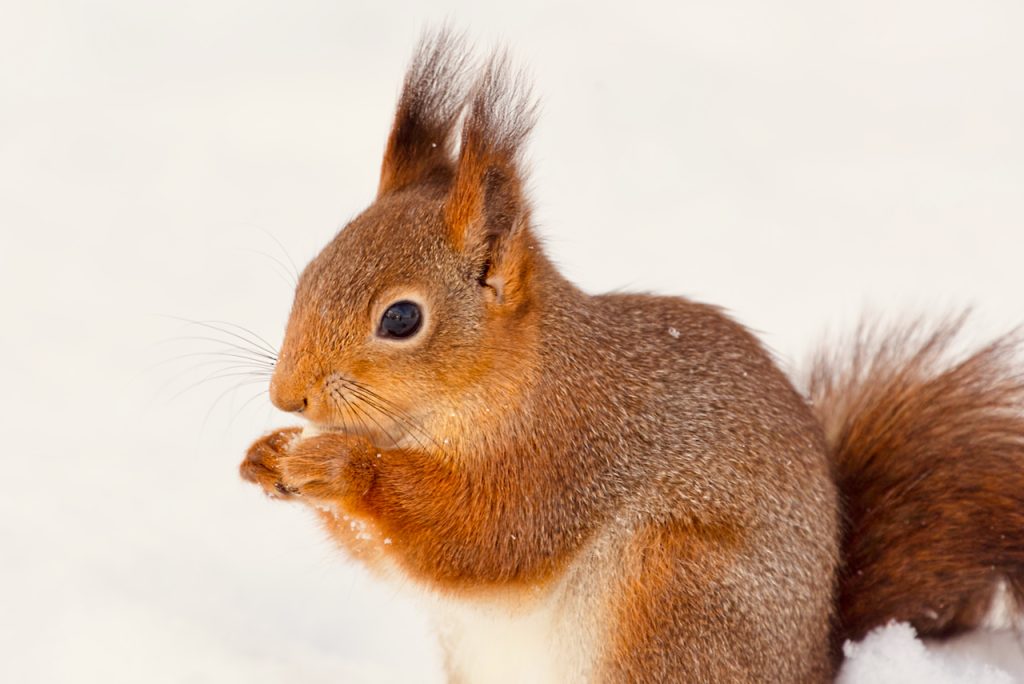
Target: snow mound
894	655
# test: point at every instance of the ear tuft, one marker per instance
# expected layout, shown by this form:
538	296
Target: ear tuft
433	96
487	199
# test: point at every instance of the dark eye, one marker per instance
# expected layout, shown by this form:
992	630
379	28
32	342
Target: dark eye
402	319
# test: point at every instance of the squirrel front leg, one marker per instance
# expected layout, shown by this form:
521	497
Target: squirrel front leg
326	467
330	468
450	520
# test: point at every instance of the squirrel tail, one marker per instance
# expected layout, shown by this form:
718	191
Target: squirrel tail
927	447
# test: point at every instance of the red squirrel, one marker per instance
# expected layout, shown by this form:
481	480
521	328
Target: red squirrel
620	487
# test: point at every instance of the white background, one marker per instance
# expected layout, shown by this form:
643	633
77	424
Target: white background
796	162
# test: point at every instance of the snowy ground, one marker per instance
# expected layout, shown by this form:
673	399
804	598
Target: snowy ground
794	161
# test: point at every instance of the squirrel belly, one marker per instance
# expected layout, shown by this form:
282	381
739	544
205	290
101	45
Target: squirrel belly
621	488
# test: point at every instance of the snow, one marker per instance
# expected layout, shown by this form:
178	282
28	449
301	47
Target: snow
791	161
893	654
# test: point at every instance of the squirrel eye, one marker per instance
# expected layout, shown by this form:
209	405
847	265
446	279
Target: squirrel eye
402	319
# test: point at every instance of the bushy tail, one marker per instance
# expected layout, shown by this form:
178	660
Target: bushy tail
928	454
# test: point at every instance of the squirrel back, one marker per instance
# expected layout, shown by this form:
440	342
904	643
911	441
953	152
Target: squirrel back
617	487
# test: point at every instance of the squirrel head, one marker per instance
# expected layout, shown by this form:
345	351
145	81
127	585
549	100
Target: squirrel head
427	296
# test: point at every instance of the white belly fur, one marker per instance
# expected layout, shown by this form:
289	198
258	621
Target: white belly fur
529	636
495	643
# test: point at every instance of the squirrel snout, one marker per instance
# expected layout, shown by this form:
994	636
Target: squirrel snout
290	405
288	399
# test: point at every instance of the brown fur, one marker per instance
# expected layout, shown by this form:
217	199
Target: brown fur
531	433
929	457
420	142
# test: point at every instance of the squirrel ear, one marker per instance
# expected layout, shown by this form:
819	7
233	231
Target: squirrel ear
433	96
486	211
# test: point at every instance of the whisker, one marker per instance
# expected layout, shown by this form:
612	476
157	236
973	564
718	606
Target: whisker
284	273
266	345
255	344
342	405
256	373
284	250
254	338
412	431
224	355
217	375
248	350
396	415
345	407
225	365
395	408
390	436
220	397
357	414
248	401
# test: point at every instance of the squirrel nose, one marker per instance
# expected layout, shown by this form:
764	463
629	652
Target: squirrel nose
287	398
295	405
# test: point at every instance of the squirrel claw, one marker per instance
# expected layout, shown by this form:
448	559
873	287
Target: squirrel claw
285	490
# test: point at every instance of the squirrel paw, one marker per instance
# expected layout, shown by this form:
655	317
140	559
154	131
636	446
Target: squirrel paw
324	467
262	461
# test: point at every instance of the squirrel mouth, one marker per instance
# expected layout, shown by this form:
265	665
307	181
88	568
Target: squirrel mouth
311	429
